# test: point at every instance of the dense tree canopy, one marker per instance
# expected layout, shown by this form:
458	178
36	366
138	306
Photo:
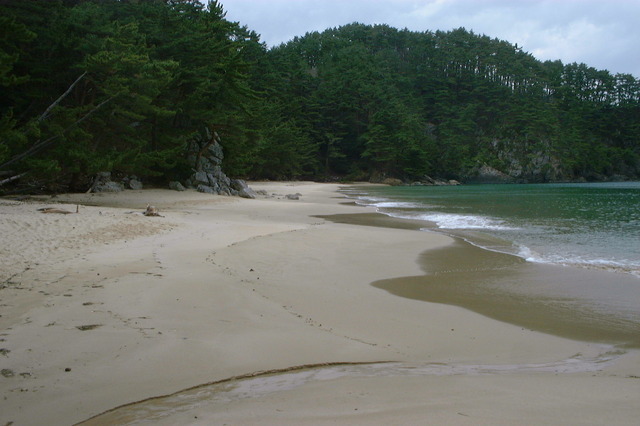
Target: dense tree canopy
123	85
118	85
404	103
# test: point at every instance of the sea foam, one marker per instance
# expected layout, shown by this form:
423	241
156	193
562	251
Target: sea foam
569	259
457	221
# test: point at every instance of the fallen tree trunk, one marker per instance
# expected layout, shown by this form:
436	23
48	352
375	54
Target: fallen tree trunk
11	179
43	144
64	95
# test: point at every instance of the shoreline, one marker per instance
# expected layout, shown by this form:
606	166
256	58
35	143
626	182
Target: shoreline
545	298
564	300
224	287
497	229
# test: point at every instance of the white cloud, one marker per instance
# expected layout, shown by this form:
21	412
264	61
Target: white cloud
602	34
570	42
432	8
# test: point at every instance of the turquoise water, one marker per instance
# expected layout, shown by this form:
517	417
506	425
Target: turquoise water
594	225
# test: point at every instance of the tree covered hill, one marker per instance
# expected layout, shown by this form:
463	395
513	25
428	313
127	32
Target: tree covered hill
122	86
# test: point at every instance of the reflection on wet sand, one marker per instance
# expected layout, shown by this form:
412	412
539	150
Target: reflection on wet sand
575	303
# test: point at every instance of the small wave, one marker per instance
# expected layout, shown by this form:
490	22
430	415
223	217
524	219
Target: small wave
397	205
456	221
368	200
601	264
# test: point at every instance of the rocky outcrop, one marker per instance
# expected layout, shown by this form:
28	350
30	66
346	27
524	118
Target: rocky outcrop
425	181
392	182
205	154
539	166
517	162
487	174
429	181
132	182
103	183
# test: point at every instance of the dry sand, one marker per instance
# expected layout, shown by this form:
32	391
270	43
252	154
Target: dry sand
108	307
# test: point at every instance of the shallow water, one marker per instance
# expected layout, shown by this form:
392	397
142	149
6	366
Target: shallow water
214	396
593	225
582	283
574	303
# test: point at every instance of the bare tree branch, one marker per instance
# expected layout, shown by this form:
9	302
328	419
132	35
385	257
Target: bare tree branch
64	95
43	144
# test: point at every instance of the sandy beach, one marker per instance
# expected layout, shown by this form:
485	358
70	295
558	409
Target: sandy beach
111	317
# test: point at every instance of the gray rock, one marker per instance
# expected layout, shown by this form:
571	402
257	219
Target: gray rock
487	174
200	177
103	176
247	193
206	189
176	186
428	180
108	187
218	176
292	196
242	189
103	183
392	182
216	155
135	184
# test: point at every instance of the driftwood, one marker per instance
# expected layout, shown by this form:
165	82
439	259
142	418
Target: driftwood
152	211
59	211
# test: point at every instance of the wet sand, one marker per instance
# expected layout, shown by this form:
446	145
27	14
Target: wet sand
576	303
109	309
564	301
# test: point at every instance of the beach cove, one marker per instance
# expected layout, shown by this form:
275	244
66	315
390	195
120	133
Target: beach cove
107	307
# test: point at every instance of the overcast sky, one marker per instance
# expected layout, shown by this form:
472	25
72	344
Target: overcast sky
604	34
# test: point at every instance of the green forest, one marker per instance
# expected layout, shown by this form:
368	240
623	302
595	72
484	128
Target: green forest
125	85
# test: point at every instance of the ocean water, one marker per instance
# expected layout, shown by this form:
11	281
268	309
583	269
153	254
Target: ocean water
590	225
562	259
